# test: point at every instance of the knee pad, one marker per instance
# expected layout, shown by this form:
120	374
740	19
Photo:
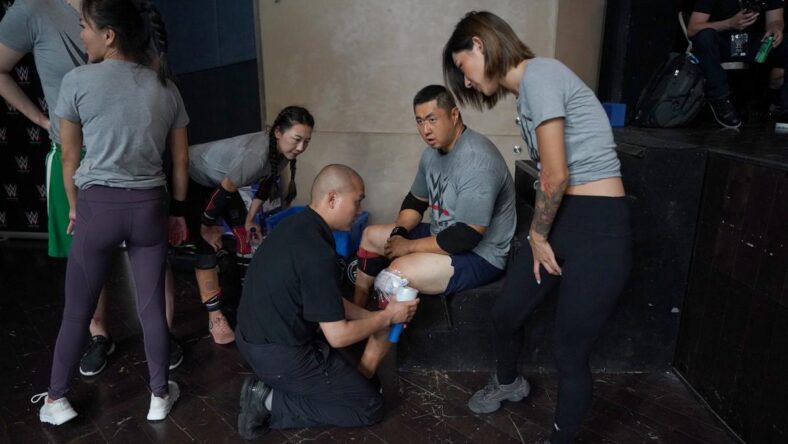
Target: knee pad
236	210
206	261
371	263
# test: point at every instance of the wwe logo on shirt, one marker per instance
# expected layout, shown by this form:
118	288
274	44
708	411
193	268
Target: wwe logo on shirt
3	136
43	104
2	219
23	162
11	108
32	218
42	191
34	134
23	74
10	190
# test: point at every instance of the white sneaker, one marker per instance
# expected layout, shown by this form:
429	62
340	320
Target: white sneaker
57	412
160	407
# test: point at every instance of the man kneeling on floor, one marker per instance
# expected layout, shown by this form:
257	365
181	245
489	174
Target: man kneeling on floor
292	286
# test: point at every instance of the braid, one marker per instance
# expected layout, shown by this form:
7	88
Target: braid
158	36
269	186
292	192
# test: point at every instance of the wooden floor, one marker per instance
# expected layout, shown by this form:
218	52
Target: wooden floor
422	406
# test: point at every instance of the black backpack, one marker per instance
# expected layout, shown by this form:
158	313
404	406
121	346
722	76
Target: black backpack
673	96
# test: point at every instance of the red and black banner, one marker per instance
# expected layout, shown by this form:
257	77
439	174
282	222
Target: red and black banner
23	149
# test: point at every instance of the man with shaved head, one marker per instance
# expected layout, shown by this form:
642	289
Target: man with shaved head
292	287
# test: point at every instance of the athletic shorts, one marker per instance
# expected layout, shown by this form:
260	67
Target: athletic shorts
470	269
57	203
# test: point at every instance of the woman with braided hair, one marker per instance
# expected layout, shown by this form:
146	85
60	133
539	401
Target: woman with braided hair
217	169
126	114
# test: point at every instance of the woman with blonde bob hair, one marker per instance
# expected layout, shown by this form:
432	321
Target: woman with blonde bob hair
580	235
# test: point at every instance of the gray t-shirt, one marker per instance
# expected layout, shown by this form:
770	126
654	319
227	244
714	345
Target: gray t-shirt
126	115
548	90
243	159
470	184
50	30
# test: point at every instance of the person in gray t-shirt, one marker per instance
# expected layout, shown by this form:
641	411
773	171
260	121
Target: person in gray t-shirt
580	235
49	29
464	183
126	114
217	169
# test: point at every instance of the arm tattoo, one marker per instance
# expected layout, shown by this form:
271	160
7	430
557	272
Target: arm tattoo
545	208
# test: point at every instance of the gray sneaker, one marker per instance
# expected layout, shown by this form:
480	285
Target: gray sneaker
488	399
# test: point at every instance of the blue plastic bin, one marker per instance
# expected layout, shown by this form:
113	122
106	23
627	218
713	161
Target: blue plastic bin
616	112
347	242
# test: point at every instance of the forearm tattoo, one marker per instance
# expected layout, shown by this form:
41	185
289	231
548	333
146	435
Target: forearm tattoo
545	208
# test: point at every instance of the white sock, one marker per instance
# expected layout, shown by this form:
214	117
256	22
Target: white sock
268	400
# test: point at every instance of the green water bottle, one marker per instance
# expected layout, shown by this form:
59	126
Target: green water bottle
763	52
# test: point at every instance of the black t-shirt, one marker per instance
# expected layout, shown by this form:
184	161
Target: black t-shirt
723	9
292	283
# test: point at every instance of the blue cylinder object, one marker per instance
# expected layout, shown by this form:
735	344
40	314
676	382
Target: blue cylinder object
394	332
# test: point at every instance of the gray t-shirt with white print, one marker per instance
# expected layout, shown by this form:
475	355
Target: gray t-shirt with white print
550	90
471	184
126	115
50	30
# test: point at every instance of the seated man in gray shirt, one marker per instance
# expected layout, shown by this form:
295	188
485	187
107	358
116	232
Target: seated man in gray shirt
463	180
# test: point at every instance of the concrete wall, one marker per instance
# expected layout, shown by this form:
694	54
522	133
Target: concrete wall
356	64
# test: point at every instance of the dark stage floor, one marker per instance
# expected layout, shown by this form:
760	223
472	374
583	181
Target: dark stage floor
423	406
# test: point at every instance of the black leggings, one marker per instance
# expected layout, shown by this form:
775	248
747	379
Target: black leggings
591	238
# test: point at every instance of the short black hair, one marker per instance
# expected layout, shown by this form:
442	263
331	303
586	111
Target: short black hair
439	93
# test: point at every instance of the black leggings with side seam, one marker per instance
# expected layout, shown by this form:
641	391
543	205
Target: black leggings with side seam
591	238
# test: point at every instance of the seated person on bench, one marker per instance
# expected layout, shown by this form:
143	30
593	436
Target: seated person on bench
733	30
463	180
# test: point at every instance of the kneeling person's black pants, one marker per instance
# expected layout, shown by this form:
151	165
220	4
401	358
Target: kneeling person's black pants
313	385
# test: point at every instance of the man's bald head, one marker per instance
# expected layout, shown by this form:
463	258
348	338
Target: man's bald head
335	177
337	193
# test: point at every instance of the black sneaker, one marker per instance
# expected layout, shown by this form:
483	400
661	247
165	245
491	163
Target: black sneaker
95	358
176	353
253	419
724	113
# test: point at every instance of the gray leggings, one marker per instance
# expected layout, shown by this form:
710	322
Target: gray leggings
105	218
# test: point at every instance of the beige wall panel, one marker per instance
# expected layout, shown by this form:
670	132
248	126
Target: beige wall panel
356	64
581	26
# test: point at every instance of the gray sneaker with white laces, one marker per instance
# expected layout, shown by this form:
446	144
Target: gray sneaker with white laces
488	399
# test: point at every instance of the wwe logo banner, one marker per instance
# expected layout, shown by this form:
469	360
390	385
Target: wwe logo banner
23	162
34	134
32	218
11	108
42	191
23	74
10	190
43	104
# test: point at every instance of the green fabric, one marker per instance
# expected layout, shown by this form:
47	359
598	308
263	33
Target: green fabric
57	204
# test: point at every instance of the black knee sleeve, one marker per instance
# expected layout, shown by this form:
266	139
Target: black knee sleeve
206	261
